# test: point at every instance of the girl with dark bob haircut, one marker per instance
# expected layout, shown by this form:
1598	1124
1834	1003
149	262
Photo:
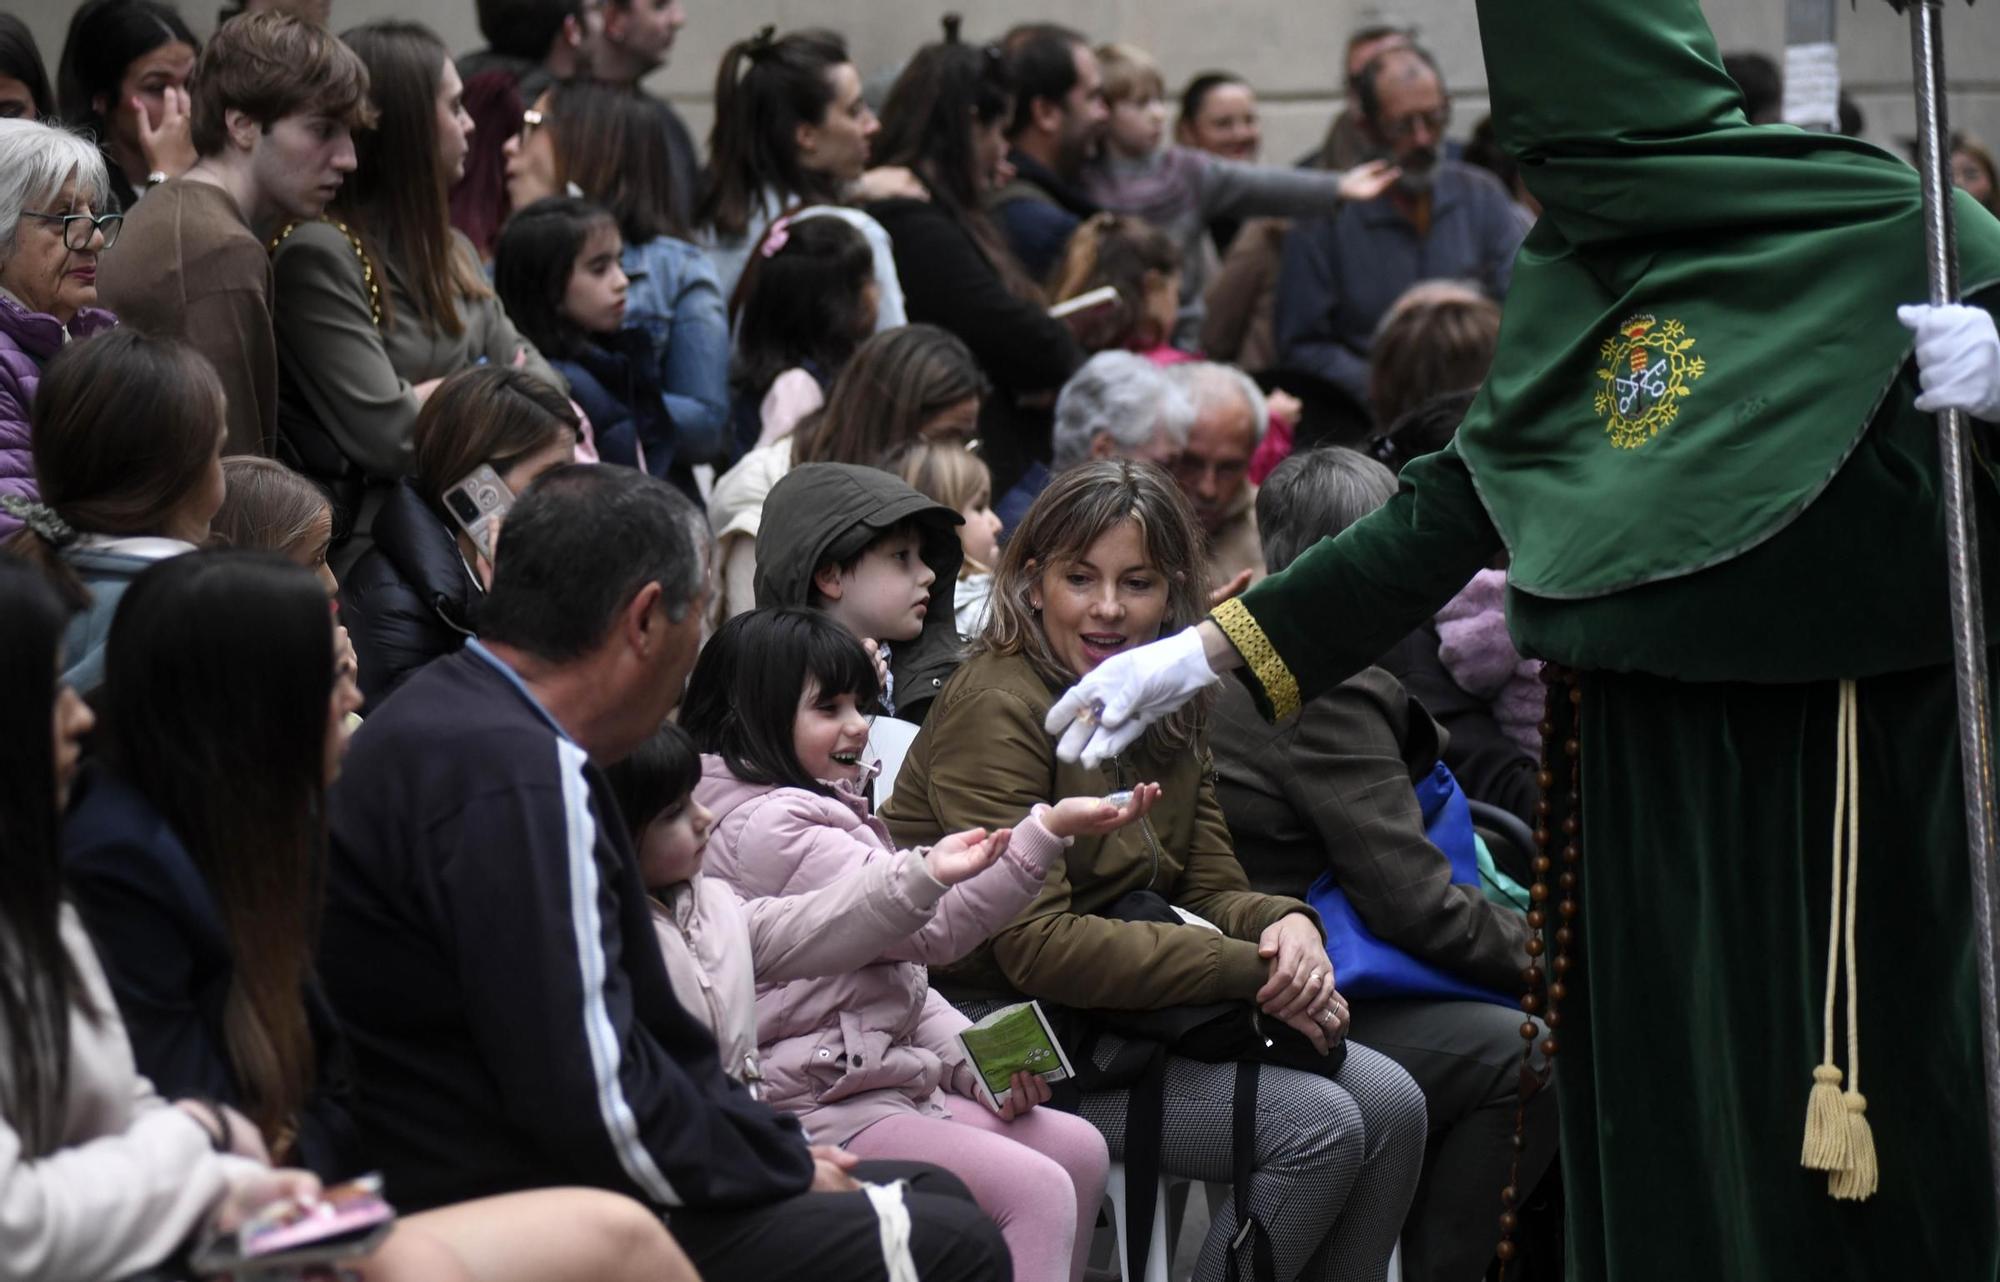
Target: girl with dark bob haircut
746	687
777	699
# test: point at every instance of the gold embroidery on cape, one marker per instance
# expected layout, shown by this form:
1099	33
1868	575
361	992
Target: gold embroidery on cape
1646	373
1260	656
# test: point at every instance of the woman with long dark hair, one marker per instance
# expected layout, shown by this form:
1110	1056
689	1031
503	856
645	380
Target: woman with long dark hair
792	136
123	76
607	144
382	298
946	119
99	1176
195	848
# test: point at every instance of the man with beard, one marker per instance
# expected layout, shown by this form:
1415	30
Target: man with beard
1059	118
1442	220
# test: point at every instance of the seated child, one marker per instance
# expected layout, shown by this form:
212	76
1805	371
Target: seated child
868	1059
807	300
948	473
556	271
878	557
1183	190
718	947
1143	264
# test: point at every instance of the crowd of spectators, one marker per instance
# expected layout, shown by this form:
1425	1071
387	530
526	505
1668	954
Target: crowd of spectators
486	558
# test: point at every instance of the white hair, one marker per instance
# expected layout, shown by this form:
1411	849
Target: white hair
36	159
1124	396
1208	384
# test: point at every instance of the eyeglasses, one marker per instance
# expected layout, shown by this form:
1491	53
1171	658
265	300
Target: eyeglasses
531	120
1434	121
77	229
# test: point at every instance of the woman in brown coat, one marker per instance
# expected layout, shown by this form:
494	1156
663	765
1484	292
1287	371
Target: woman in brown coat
1108	559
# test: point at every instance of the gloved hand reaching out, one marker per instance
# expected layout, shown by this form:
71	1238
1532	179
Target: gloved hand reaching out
1114	703
1958	358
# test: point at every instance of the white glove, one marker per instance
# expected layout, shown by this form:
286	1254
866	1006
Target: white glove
1958	358
1115	703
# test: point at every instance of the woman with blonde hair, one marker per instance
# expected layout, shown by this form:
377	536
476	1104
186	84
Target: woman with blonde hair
1109	558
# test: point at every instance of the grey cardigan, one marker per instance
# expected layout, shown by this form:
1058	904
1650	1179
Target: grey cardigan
1182	190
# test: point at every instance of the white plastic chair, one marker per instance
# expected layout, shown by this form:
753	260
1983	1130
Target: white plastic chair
1156	1254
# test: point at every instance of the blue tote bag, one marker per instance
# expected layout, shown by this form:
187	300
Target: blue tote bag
1363	965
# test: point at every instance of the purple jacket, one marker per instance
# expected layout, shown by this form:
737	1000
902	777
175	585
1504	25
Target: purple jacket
27	341
845	1052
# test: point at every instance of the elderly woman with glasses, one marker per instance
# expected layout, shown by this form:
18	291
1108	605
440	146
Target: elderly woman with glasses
53	187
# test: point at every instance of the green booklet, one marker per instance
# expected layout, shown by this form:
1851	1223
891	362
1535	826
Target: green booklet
1013	1039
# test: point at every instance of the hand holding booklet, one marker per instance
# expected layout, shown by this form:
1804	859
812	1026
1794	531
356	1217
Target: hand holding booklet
1013	1039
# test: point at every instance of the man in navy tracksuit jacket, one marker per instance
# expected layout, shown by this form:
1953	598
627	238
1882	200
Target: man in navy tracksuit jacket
486	939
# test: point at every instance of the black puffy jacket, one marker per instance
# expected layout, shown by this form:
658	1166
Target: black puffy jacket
410	598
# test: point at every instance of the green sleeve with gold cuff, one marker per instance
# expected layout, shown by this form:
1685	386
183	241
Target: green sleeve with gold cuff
1343	603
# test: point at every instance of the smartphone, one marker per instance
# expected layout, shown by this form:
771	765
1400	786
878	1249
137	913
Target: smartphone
347	1222
477	502
1103	298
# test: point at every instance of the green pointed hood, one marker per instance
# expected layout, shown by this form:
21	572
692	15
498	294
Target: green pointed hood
1702	323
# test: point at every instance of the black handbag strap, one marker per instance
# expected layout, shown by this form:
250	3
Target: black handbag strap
1264	1268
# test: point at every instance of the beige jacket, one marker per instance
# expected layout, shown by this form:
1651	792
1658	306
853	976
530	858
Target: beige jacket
131	1177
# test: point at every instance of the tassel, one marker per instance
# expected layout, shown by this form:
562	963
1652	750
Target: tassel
1858	1182
1826	1147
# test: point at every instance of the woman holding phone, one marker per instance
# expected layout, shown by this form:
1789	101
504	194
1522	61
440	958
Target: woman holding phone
414	596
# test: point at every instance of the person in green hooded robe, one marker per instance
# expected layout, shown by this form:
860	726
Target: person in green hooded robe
1712	463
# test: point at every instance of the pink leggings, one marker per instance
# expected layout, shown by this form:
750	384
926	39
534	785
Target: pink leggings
1040	1176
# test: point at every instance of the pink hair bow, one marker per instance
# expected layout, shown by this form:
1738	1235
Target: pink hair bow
774	239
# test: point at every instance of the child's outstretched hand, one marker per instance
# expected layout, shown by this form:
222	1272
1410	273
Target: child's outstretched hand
966	854
1366	182
1095	816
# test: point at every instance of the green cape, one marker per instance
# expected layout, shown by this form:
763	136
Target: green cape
1702	323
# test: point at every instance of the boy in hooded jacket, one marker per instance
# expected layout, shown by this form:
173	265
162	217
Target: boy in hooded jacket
858	544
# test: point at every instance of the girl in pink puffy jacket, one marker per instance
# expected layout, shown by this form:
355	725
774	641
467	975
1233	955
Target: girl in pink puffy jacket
868	1057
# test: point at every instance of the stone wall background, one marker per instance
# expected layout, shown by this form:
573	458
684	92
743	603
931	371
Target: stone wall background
1290	51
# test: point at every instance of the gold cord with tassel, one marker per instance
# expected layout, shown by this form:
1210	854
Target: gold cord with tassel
1825	1147
1858	1179
1838	1139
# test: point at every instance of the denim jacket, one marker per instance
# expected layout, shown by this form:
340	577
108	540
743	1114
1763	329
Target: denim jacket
675	298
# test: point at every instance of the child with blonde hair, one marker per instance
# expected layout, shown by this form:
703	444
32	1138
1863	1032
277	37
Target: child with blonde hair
946	472
1182	190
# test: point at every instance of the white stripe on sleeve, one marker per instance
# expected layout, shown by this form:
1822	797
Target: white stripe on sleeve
619	1123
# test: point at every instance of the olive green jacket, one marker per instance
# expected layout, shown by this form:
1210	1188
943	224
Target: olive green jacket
983	759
